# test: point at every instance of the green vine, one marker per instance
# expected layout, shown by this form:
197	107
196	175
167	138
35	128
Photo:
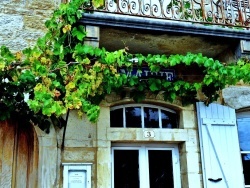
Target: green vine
61	73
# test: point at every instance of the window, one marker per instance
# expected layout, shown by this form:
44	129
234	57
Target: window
243	122
142	116
145	166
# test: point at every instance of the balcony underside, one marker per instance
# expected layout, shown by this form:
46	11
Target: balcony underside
145	42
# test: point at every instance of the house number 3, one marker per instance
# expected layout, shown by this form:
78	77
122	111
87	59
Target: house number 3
149	134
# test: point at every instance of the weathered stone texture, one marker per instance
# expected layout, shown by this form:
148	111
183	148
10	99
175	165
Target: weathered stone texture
87	155
49	159
22	21
237	96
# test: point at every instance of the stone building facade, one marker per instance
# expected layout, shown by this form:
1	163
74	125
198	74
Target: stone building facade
95	145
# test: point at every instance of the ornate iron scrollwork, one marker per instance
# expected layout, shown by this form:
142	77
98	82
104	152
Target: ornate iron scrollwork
222	12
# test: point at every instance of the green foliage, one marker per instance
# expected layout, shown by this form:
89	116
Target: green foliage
61	73
79	32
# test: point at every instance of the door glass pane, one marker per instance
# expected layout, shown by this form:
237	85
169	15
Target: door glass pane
246	167
116	118
160	169
169	120
133	117
126	168
151	118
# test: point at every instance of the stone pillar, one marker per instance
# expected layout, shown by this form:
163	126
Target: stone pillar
190	151
103	150
93	35
49	159
243	49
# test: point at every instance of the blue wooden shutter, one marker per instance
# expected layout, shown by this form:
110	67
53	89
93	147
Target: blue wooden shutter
219	146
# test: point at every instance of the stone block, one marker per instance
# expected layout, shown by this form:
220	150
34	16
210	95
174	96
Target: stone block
103	167
80	132
192	146
237	96
48	167
192	138
93	35
103	123
194	180
193	160
36	22
103	144
188	119
92	32
87	155
46	142
189	147
137	134
42	5
184	181
12	22
183	163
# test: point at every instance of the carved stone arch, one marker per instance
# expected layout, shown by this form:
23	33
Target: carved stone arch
114	99
49	158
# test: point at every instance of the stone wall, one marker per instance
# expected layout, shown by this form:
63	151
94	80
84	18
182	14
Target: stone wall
22	21
237	97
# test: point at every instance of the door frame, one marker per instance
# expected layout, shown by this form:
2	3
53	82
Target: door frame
143	158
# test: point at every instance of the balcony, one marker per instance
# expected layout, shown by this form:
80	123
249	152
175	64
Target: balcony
212	27
229	18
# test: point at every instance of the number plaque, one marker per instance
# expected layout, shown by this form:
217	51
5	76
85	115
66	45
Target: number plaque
149	134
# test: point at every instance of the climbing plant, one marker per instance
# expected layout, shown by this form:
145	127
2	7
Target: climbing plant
62	73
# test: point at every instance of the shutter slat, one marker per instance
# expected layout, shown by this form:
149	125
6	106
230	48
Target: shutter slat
210	121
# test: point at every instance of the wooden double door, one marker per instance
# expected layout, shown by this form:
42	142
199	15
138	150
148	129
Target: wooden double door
18	155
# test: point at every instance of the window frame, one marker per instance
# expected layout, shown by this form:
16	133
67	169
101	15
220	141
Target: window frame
245	114
143	160
142	106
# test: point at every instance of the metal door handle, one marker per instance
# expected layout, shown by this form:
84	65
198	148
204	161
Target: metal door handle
215	180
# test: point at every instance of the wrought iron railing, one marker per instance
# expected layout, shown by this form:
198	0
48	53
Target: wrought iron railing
232	13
